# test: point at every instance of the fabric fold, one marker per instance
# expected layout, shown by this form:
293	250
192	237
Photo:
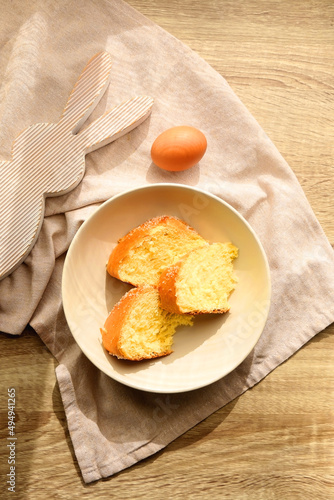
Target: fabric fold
113	426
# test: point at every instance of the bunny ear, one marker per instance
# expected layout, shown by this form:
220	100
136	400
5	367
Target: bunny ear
115	123
87	92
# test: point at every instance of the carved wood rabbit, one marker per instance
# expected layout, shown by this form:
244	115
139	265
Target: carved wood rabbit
48	159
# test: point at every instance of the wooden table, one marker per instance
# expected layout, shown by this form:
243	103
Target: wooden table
277	440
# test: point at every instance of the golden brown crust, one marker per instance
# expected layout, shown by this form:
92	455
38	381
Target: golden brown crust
152	356
112	328
167	288
214	311
138	234
113	325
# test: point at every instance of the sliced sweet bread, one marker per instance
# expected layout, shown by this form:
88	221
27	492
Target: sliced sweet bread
137	328
140	257
200	282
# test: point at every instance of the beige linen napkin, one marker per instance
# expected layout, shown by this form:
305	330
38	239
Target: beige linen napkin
47	45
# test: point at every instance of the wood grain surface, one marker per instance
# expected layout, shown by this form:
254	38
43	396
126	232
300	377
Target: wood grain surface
277	440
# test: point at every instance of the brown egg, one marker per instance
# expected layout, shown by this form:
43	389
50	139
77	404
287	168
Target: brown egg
178	148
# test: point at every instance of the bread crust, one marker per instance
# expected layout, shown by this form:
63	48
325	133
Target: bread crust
136	235
167	288
112	328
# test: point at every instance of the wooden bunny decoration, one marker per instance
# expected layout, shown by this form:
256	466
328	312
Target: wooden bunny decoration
48	159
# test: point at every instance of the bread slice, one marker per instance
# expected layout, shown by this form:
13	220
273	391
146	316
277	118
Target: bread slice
140	257
137	328
200	282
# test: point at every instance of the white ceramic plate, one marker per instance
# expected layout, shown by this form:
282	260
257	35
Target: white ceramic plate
203	353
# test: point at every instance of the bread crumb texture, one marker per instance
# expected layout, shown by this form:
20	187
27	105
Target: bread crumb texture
143	330
202	281
176	274
150	248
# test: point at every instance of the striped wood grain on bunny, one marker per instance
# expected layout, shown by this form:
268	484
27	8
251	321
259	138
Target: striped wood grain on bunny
48	159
